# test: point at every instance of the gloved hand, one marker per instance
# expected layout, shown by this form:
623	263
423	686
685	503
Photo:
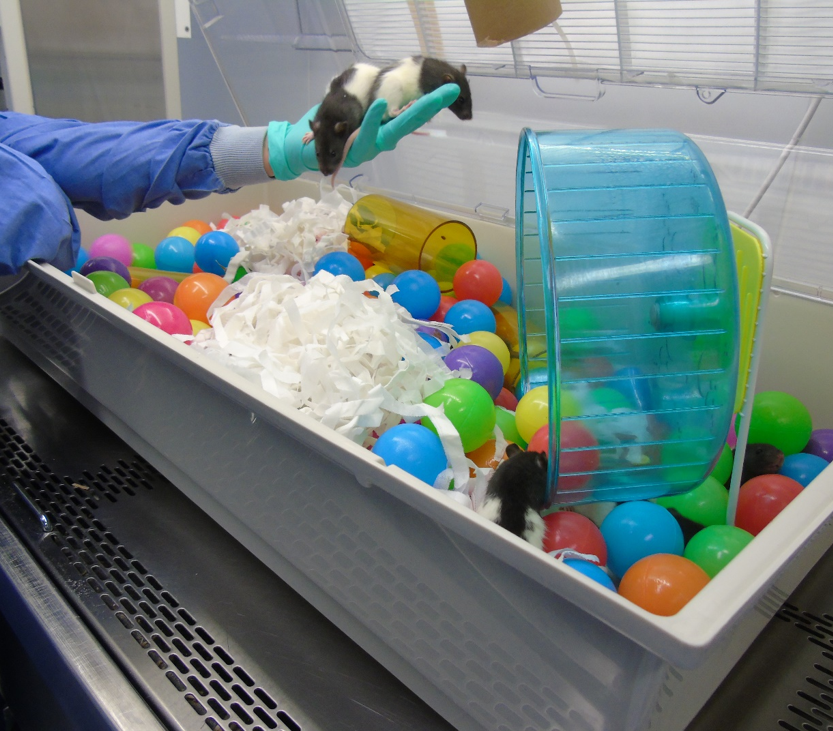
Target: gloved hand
289	156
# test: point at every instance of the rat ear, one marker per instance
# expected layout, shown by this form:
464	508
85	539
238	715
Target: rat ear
462	68
448	79
541	460
512	449
314	125
340	128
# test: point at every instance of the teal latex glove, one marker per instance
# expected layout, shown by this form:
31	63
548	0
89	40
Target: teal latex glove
289	156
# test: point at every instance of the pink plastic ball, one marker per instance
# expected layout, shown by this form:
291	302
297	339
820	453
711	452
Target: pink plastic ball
114	246
160	289
166	317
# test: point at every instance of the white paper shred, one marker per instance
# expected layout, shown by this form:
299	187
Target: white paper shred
292	242
352	362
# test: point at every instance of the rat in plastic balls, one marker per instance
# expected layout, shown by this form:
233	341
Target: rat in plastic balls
515	494
761	459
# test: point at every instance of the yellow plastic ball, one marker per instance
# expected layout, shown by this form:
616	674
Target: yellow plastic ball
198	325
532	411
375	270
130	298
493	344
186	232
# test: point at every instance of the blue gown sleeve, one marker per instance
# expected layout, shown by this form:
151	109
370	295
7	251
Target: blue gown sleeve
113	169
36	217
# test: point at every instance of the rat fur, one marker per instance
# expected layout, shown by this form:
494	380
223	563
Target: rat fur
515	494
402	83
761	459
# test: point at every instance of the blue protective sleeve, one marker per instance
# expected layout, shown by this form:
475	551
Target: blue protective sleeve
113	169
36	218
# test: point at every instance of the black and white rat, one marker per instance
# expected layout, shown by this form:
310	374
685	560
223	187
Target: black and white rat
340	115
515	495
761	459
402	83
336	123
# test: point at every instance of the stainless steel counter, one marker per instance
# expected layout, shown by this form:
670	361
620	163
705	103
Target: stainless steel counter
123	606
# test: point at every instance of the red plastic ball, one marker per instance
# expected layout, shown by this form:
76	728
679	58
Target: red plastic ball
507	400
575	532
446	303
762	498
662	583
478	280
573	436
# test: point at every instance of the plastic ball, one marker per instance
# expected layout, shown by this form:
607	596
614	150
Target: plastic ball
201	227
484	366
478	280
591	571
418	293
803	468
762	498
507	399
130	298
713	547
107	282
781	420
506	292
532	411
385	279
160	289
197	325
185	232
505	421
435	343
175	254
662	584
82	257
143	256
372	271
611	399
468	407
636	389
575	458
706	504
723	468
821	444
638	529
565	530
484	455
195	294
362	253
114	246
106	264
468	316
213	252
413	448
166	317
493	344
446	303
341	262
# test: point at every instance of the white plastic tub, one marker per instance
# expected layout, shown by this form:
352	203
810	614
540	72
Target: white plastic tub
490	631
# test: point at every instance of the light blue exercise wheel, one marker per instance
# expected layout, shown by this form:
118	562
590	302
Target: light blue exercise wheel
627	296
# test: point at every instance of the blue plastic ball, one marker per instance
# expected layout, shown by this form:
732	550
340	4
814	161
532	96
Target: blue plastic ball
506	293
592	571
637	529
430	339
413	448
468	316
384	279
803	468
340	262
83	256
418	293
175	254
213	251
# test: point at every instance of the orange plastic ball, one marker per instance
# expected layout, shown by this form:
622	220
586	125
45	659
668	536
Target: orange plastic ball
195	294
663	583
484	456
201	227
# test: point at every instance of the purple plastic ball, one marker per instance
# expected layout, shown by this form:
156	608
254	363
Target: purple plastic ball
484	366
821	444
115	246
160	289
105	264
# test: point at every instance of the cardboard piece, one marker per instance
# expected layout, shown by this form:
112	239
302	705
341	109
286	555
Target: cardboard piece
499	21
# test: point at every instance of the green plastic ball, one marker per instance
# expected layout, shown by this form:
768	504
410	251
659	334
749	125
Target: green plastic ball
705	504
107	282
469	408
505	420
723	469
610	399
714	546
143	256
781	420
240	273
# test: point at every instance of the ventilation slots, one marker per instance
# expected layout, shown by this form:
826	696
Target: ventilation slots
211	682
773	45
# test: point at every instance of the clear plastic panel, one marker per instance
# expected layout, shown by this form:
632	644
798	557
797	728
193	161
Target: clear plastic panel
628	307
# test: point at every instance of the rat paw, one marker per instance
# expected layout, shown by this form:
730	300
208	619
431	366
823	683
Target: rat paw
308	137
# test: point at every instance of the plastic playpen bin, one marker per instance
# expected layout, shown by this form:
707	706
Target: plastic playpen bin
628	309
